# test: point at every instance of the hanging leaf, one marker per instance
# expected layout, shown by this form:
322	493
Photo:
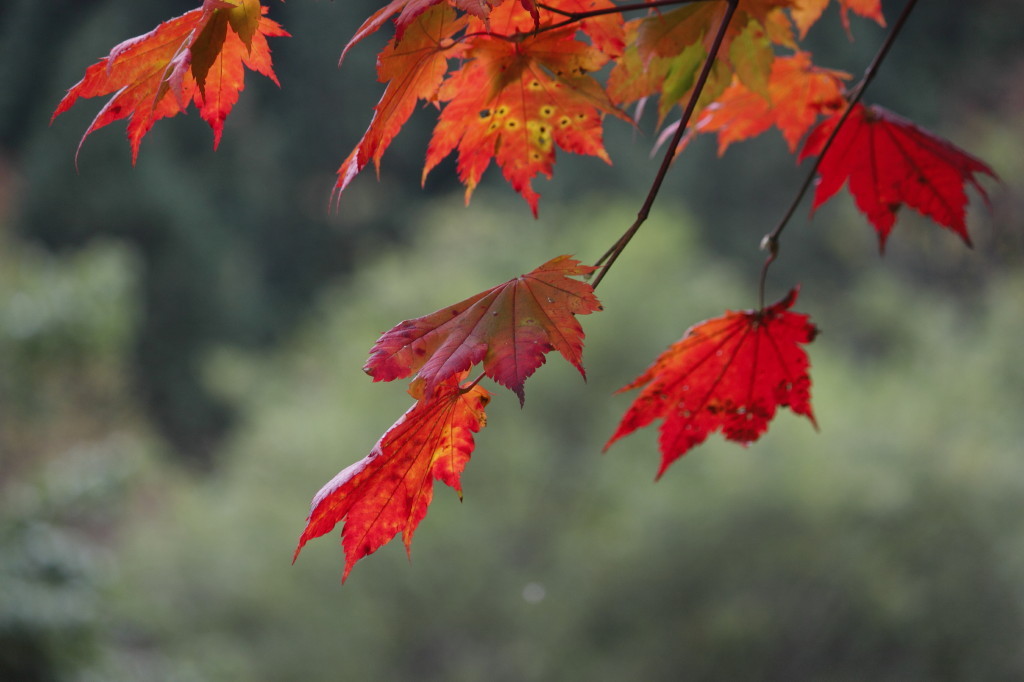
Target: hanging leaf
888	162
413	71
388	491
728	374
515	101
193	58
509	328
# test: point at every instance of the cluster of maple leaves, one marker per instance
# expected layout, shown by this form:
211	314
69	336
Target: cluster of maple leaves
512	81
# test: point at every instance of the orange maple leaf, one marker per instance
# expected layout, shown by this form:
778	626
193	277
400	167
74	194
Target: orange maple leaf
389	490
514	101
509	328
496	105
889	162
806	13
798	93
413	70
191	58
727	374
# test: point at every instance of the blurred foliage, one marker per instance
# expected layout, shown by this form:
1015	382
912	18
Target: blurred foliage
65	328
145	311
55	562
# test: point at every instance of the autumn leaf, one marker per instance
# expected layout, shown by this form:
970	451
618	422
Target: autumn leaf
413	70
193	58
518	122
806	13
388	491
515	101
889	162
798	92
728	374
496	104
509	328
752	57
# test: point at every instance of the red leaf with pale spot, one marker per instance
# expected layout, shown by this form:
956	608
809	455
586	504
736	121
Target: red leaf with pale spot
388	491
509	328
728	374
193	58
888	162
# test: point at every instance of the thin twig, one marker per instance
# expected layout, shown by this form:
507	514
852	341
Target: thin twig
472	385
608	259
617	8
770	242
576	17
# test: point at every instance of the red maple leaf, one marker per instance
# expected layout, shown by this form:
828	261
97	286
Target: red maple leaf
413	70
516	96
509	328
890	162
727	374
388	491
798	93
191	58
514	101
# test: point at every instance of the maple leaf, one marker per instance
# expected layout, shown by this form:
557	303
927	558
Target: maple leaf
495	104
806	13
413	69
514	101
389	490
191	58
798	92
727	374
509	328
890	162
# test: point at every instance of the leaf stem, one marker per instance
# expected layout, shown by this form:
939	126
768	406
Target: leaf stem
572	17
472	385
770	242
576	17
611	255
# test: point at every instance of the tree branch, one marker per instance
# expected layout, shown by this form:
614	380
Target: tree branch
610	256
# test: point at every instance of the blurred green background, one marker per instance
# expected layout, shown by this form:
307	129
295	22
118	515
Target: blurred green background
180	354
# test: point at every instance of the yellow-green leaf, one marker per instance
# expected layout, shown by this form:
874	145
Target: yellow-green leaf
751	55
